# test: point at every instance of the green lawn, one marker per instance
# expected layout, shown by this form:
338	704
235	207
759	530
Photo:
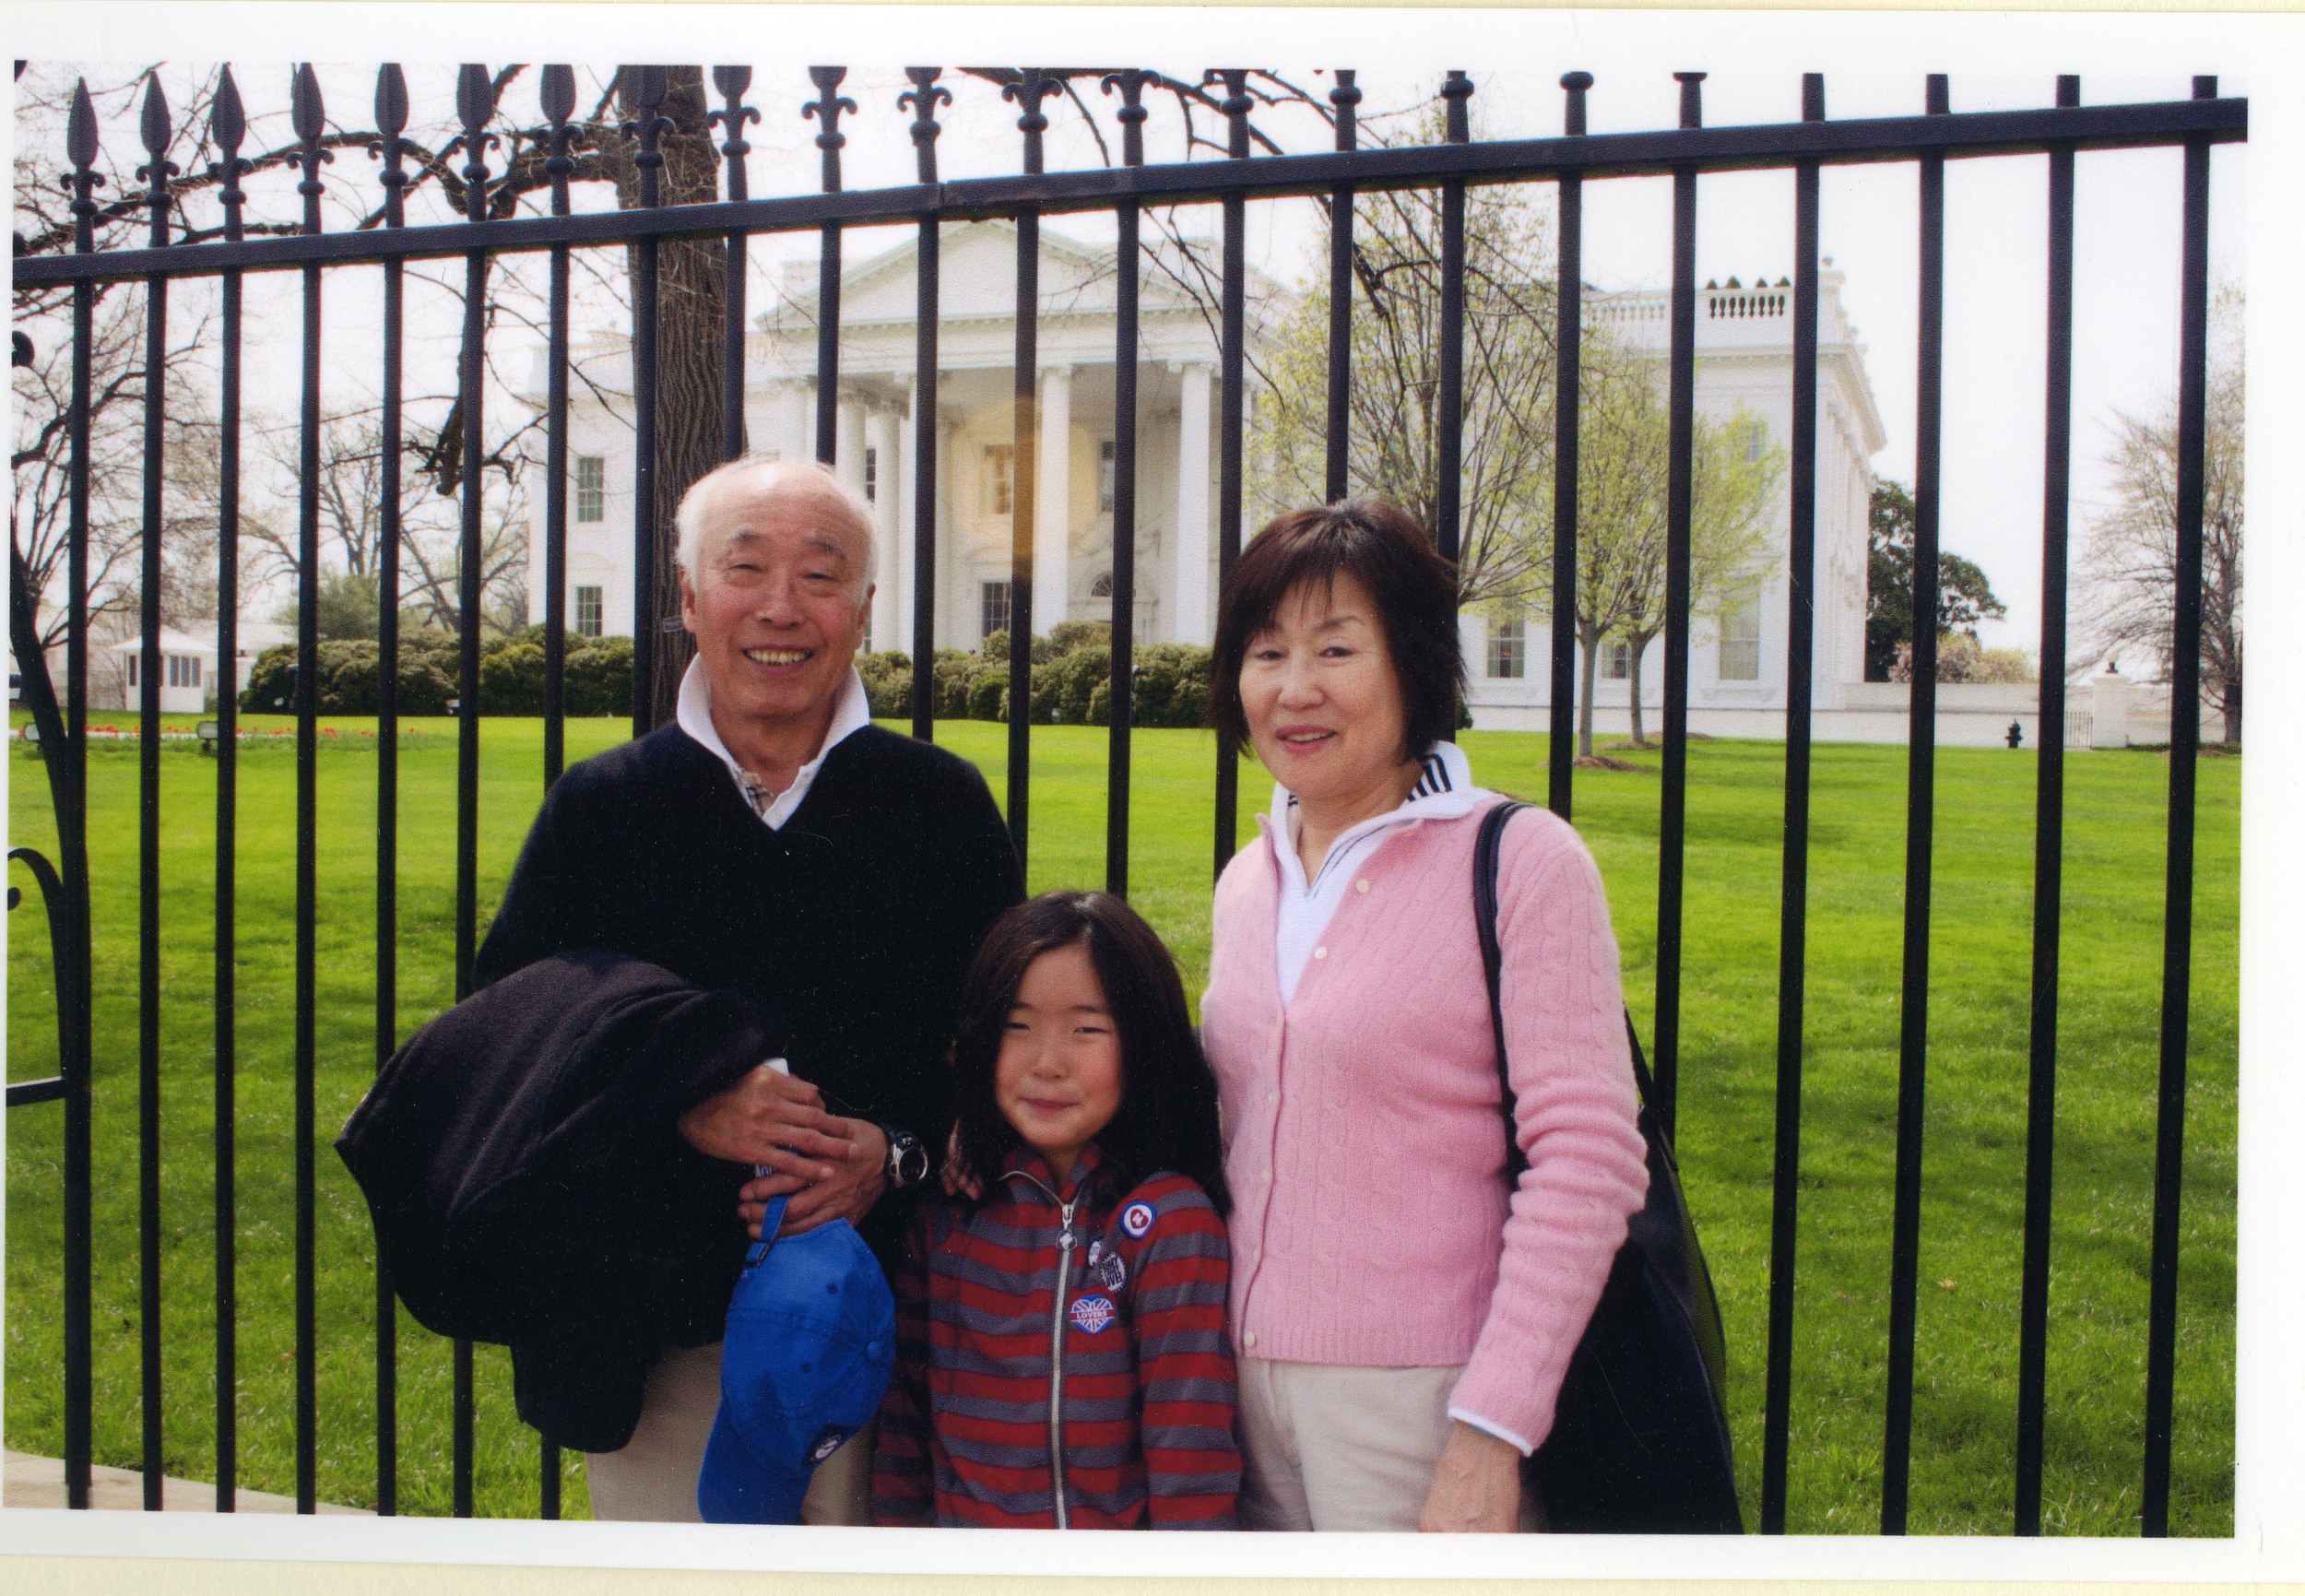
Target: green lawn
1965	1357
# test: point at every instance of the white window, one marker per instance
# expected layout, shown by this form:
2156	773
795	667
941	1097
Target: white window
131	669
1509	649
872	476
994	613
1741	637
1104	469
591	488
999	477
1616	660
1755	434
588	611
184	669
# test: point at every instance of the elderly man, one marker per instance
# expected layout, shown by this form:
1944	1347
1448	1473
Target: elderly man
775	842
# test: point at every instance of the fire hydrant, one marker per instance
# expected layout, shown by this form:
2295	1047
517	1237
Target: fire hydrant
2016	734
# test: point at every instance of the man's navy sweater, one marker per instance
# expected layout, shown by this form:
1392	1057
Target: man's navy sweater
851	927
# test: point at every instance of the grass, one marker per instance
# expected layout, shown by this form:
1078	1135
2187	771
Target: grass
1965	1351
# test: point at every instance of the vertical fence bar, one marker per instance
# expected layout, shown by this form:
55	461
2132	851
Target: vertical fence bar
475	104
732	81
306	116
392	117
1448	431
230	127
922	97
1346	98
826	108
2049	809
1120	701
1672	809
557	98
1569	343
157	132
645	88
1793	912
1027	91
2184	749
77	986
1920	823
1231	357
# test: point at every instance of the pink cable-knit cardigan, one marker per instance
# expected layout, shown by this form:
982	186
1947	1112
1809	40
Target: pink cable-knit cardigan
1362	1140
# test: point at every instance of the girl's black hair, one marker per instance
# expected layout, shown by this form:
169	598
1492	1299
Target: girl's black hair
1167	1117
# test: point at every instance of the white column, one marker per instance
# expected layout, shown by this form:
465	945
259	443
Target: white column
906	507
848	443
1191	619
881	435
1052	511
796	412
956	624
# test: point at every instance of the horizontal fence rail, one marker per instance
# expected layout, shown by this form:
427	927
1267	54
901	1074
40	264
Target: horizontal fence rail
1231	179
1972	133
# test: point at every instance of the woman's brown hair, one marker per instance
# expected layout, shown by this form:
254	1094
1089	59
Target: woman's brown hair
1381	547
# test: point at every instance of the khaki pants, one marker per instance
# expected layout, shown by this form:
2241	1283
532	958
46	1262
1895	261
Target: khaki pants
652	1476
1339	1446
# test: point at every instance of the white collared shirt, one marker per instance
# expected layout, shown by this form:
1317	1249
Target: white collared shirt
1443	791
851	712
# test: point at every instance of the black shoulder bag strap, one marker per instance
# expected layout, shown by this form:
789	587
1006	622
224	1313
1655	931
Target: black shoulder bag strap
1485	855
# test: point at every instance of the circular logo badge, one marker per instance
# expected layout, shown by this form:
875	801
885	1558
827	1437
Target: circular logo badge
1093	1313
1137	1218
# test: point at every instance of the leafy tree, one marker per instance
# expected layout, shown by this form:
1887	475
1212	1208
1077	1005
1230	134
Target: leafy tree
1507	459
1623	479
2131	554
691	289
1964	595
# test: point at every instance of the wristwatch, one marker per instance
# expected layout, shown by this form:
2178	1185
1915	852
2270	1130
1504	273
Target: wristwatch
909	1160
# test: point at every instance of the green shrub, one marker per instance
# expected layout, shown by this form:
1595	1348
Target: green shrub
888	680
598	678
1172	684
597	675
1063	688
511	680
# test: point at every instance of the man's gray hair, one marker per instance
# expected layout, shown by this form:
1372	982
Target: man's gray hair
688	522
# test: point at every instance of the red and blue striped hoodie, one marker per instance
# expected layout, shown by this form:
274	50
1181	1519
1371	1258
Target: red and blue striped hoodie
1061	1360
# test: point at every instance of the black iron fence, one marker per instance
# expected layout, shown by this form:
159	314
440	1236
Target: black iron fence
1566	163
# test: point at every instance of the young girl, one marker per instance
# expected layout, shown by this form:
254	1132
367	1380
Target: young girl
1061	1358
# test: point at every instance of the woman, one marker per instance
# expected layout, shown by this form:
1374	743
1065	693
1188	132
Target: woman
1402	1329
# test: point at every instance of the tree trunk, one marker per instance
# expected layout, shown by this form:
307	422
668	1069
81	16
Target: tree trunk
1588	645
1636	645
691	316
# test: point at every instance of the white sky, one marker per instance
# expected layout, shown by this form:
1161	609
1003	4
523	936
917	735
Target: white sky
1875	62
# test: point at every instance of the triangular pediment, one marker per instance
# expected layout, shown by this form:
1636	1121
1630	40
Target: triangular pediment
977	279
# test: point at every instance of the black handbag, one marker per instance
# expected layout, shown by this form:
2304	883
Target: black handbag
1640	1442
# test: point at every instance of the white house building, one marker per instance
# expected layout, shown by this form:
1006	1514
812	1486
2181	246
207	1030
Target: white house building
1737	648
1744	360
973	415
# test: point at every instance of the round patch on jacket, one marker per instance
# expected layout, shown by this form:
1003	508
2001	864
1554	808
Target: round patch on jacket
1137	1218
1093	1313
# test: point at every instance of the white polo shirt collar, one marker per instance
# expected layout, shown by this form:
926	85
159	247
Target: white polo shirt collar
852	712
1443	791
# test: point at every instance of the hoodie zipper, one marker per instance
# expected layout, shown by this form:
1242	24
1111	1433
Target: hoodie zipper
1066	1241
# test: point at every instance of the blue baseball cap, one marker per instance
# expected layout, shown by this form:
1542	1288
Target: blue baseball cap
811	1334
